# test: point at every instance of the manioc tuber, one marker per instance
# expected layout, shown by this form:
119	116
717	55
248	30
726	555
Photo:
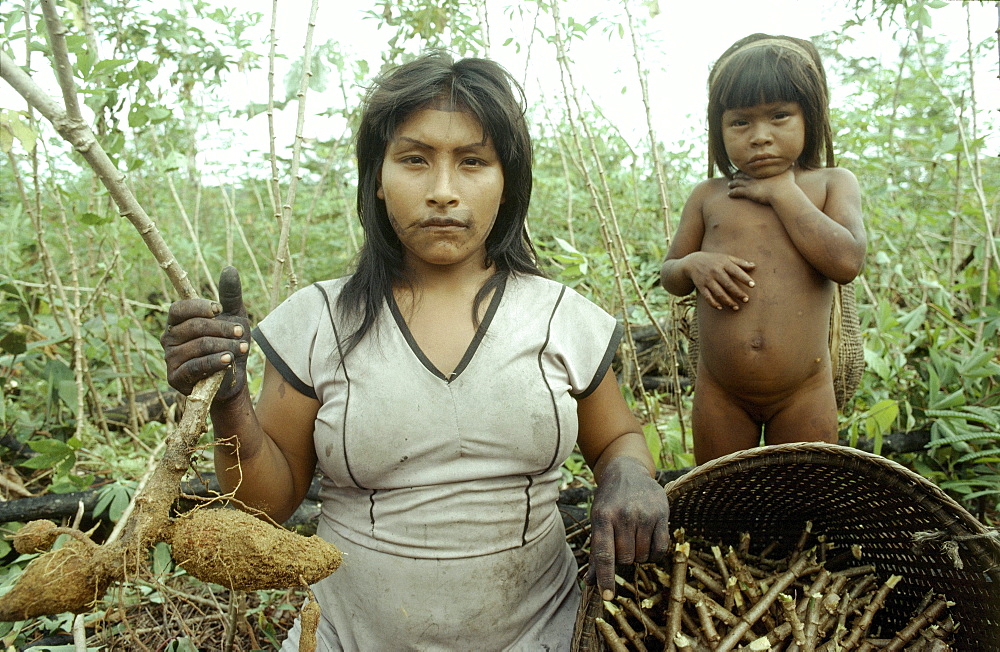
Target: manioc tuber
35	536
239	551
69	578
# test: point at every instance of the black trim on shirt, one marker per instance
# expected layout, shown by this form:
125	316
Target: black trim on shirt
527	509
545	380
280	365
347	393
470	352
602	369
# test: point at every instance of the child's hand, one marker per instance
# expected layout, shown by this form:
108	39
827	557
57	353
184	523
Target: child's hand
720	278
760	190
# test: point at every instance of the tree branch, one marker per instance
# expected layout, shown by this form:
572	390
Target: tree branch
79	135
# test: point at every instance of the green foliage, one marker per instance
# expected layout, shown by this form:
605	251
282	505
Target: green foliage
81	301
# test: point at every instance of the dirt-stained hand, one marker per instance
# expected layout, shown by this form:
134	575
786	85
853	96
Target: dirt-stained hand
722	280
761	190
203	337
629	522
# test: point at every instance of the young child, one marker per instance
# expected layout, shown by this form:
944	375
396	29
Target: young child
764	248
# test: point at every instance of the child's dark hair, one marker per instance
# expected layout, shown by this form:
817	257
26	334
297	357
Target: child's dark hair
760	69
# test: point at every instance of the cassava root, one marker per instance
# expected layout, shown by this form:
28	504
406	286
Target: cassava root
712	597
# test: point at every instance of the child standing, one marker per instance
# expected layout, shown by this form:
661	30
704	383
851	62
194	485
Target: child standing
764	248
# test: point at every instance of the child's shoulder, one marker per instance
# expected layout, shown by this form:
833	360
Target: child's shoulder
830	175
709	187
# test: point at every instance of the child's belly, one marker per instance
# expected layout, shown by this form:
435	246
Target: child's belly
774	343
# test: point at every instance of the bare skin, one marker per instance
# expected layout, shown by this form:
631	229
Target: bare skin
442	184
764	250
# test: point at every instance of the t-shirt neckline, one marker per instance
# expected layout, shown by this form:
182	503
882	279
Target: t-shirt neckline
470	352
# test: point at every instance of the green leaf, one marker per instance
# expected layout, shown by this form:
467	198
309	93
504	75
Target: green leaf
12	127
93	219
50	447
137	116
162	561
880	417
876	363
15	341
107	65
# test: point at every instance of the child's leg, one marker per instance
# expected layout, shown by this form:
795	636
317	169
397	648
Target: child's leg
720	426
810	414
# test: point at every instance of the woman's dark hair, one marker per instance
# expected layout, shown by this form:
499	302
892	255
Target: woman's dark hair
760	69
488	92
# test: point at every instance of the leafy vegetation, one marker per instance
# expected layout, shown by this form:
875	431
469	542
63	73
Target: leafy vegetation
82	302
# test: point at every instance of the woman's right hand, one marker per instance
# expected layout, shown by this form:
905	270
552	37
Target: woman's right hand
203	337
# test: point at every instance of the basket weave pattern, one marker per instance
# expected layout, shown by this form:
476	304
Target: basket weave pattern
905	524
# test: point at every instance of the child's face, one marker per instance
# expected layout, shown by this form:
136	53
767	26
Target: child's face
765	139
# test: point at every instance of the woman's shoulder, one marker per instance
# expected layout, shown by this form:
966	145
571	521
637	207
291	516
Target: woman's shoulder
529	289
540	287
311	297
330	288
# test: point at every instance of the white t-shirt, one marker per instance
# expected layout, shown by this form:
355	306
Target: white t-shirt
442	491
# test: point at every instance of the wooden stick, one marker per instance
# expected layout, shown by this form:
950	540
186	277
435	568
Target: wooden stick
755	612
624	626
812	622
678	580
707	623
647	622
792	618
919	622
708	580
615	643
819	583
861	627
723	569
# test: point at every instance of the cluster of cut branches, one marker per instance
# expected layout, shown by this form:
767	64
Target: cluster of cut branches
713	598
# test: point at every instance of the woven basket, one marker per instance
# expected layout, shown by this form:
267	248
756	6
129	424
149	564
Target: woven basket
847	352
851	497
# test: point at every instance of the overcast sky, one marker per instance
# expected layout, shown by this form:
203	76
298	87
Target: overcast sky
679	45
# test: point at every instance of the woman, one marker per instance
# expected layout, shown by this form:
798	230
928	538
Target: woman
438	389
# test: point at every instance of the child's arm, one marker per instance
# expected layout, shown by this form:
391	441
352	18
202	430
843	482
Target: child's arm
833	239
720	278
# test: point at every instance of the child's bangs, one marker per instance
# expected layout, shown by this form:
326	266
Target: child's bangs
757	80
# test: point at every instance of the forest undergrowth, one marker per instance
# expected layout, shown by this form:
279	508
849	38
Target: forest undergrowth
84	407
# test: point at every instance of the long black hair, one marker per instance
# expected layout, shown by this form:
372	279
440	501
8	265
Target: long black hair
488	92
760	69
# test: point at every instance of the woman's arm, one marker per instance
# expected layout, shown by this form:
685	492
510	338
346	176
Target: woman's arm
266	454
630	512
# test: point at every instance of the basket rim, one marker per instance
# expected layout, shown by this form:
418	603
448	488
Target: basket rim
888	472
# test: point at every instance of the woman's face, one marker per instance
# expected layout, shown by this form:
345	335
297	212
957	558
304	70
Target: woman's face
442	183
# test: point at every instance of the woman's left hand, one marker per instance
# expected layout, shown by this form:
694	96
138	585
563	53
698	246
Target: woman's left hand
629	521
